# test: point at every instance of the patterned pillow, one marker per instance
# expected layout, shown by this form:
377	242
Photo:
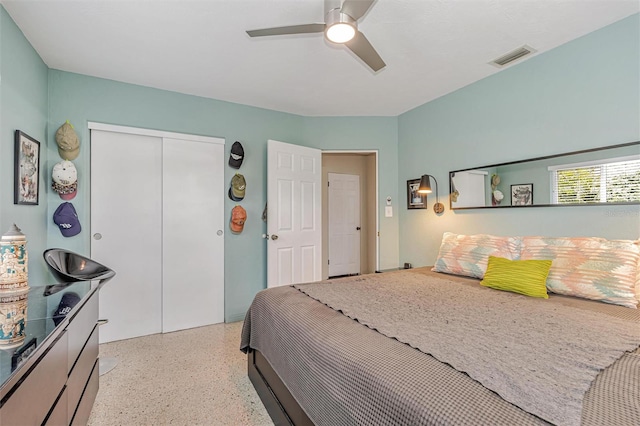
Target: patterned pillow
589	267
468	254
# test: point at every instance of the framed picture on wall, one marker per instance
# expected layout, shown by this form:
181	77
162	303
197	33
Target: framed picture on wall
26	169
522	194
414	199
23	353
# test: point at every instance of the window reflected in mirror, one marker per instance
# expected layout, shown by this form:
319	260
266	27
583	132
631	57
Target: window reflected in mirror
615	180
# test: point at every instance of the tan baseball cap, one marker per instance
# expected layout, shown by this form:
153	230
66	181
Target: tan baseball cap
237	187
68	142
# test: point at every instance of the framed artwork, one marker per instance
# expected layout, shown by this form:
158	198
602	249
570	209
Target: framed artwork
522	194
22	354
414	199
26	169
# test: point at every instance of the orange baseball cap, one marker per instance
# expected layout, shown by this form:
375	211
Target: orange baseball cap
238	218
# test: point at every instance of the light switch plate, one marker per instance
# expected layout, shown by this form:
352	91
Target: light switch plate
388	211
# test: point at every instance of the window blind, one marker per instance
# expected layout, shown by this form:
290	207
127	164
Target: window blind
613	182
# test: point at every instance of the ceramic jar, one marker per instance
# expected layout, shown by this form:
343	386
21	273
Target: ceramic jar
13	318
14	260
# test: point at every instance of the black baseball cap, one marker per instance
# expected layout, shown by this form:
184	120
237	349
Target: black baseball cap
237	155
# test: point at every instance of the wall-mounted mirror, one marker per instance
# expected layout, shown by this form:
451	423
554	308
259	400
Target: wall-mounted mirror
608	175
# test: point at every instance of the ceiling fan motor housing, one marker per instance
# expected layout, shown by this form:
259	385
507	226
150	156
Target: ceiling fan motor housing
330	5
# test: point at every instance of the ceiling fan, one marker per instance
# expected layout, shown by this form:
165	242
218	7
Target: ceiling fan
340	27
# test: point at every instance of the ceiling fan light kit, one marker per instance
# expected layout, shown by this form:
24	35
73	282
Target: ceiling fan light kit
340	27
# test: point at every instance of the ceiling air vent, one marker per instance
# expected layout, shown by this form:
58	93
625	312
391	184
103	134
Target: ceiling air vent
512	56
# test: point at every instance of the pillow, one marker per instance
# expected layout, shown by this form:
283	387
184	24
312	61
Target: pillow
468	254
528	277
589	267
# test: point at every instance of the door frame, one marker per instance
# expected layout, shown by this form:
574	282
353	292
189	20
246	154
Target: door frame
377	184
92	125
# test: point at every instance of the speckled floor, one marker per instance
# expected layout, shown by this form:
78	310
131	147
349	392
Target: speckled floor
191	377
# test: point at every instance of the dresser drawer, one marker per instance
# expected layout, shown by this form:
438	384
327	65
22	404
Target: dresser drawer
88	397
82	370
31	402
59	416
80	327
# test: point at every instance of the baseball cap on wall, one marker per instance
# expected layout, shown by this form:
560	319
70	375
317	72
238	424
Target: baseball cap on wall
65	179
238	218
66	218
237	187
237	155
68	142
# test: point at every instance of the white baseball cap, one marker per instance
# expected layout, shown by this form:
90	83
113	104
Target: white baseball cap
65	179
65	173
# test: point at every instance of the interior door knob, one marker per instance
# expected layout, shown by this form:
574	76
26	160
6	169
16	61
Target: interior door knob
97	236
274	237
357	228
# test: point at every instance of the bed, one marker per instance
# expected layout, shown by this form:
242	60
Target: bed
419	347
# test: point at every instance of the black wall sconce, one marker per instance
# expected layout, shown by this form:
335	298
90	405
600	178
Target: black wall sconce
425	188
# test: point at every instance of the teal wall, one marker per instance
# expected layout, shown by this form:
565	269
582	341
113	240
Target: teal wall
368	133
23	106
583	94
81	99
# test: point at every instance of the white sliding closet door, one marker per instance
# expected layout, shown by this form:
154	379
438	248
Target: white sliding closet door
126	223
193	250
157	219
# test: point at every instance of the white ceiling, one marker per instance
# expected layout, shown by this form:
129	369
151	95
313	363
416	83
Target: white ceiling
431	47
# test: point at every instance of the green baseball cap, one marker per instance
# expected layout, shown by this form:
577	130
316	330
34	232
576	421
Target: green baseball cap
238	186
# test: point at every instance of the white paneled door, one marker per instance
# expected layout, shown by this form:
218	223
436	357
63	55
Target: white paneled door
344	224
294	226
157	219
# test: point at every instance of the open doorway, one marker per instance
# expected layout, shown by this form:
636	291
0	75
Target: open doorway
362	164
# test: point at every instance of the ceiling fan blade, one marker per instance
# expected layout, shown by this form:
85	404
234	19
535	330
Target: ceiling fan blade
365	51
292	29
356	8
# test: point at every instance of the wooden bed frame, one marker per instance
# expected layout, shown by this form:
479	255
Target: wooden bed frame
280	404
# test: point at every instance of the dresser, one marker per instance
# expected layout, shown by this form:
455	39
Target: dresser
52	377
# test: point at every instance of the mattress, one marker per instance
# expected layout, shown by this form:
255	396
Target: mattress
343	372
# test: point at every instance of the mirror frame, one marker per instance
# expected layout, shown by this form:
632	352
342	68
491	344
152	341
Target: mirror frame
546	157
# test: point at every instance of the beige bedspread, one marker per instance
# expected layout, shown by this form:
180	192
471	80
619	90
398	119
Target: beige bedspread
342	372
530	352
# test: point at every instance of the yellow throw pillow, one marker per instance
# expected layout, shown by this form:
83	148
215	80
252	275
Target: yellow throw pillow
528	277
